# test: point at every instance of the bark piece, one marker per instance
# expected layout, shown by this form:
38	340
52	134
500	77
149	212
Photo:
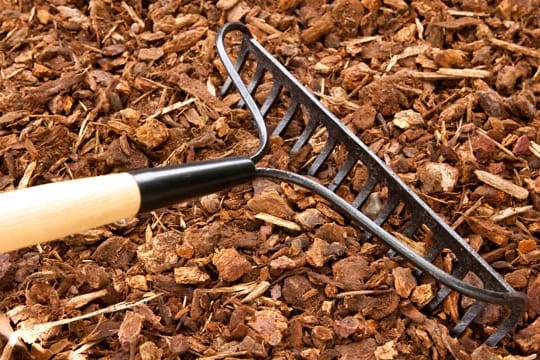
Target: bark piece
438	177
521	147
184	40
270	324
319	28
130	329
404	281
150	54
315	255
362	350
116	251
294	288
231	265
149	351
152	134
190	275
310	218
528	339
408	118
502	184
352	272
270	201
483	148
179	344
199	90
159	254
488	229
422	294
347	326
518	279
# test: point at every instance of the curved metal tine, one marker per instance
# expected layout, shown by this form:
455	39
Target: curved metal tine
286	119
443	292
271	99
506	326
467	318
255	80
323	155
306	134
412	226
430	255
383	215
366	190
240	61
344	170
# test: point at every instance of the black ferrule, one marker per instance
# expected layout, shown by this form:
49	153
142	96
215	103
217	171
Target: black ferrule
165	186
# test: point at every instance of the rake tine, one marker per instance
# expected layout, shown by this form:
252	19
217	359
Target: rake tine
364	193
445	291
468	318
342	173
383	215
240	61
304	137
255	80
286	119
271	99
321	158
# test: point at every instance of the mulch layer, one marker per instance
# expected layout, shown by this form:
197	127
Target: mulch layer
445	92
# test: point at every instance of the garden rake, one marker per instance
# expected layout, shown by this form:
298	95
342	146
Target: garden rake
48	212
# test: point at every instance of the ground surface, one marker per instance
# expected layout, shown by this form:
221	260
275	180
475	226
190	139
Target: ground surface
90	88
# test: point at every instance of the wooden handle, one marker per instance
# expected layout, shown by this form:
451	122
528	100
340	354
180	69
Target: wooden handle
47	212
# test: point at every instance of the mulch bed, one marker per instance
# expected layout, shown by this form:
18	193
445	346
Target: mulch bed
446	92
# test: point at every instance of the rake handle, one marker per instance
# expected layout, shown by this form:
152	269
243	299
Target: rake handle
47	212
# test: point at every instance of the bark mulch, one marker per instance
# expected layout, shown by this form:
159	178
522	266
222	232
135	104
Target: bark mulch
446	92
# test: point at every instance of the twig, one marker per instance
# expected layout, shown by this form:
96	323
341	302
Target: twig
362	292
30	334
515	48
225	355
509	212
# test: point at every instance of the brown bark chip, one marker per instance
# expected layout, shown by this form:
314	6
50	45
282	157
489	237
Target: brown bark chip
159	254
269	201
363	350
404	281
528	338
318	29
130	329
190	275
352	272
152	134
438	177
230	264
270	324
294	288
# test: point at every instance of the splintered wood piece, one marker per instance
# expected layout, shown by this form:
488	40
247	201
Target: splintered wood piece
508	212
465	73
502	184
515	48
278	221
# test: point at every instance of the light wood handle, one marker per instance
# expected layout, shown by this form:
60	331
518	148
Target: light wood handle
47	212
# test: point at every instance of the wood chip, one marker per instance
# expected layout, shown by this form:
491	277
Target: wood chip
465	73
502	184
509	212
515	48
278	221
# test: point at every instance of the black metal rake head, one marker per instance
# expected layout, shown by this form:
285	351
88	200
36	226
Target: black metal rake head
330	147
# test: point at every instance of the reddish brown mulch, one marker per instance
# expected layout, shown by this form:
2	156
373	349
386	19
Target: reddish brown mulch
266	270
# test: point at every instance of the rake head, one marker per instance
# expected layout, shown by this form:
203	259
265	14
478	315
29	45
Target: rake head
290	111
